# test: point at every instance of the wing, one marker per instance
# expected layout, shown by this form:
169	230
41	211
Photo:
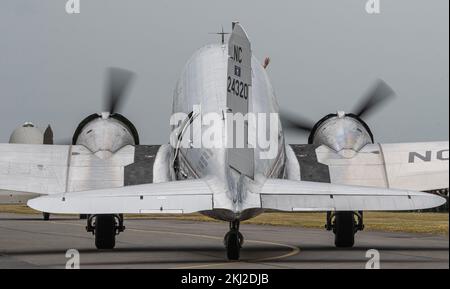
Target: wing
286	195
52	169
409	166
171	197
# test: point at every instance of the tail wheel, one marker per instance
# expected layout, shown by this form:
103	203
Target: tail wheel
233	241
105	231
344	229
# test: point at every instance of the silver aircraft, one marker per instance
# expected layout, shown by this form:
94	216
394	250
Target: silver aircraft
105	173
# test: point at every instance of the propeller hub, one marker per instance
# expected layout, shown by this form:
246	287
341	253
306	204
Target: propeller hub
105	115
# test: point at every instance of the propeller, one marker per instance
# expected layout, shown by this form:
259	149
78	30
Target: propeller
379	94
295	122
118	82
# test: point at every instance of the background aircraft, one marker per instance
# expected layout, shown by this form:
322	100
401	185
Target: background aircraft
106	173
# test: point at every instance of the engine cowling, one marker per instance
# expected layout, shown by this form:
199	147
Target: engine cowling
105	133
345	133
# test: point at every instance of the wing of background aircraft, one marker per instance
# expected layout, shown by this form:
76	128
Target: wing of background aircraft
409	166
27	170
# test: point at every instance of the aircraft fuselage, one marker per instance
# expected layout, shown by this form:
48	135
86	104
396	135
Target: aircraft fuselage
203	83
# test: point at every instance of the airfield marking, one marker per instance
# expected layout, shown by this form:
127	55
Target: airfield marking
295	249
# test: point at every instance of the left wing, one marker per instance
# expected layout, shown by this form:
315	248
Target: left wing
172	197
28	169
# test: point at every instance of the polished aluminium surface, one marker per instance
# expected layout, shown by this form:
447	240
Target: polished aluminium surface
104	136
203	82
342	133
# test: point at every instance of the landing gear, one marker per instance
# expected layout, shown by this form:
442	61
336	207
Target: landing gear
344	226
105	228
233	241
84	217
46	216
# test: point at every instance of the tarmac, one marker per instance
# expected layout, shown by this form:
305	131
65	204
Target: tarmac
27	241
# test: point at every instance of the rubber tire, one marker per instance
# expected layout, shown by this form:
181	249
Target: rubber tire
241	239
46	216
105	232
233	245
344	230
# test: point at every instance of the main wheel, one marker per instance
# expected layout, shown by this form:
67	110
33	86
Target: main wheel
344	229
105	231
46	216
233	241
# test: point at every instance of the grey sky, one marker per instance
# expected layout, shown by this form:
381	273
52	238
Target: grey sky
325	54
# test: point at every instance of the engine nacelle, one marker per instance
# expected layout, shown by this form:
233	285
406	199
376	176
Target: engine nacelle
346	133
104	134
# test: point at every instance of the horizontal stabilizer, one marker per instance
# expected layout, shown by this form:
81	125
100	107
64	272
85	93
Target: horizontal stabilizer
173	197
285	195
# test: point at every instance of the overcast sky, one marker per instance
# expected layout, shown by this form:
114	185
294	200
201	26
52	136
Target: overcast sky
325	54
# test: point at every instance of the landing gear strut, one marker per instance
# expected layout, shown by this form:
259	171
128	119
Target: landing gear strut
233	241
344	226
105	228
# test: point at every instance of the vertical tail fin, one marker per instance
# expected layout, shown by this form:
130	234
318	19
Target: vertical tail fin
239	83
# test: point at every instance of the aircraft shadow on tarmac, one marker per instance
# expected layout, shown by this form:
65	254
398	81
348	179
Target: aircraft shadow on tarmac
213	249
249	254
